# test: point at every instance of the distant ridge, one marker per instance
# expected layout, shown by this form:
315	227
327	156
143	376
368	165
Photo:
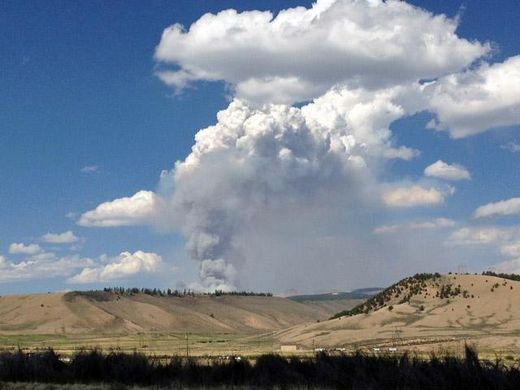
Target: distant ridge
361	293
369	290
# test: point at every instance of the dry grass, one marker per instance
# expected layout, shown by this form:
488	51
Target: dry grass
487	315
66	314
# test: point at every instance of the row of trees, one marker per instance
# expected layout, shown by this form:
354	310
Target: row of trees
514	277
358	371
179	293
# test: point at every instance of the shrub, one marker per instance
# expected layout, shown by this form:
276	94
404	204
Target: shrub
358	371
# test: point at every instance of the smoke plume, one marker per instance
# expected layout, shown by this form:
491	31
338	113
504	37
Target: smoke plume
268	169
256	160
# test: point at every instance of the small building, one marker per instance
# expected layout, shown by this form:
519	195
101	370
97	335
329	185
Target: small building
290	348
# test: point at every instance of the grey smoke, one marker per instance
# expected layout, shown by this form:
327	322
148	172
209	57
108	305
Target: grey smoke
275	160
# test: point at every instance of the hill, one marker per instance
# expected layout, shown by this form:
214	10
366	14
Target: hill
113	313
425	310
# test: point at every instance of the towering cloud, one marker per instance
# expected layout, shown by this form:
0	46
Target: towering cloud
254	160
362	64
301	53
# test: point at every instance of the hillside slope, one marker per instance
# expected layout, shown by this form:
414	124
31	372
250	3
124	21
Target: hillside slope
422	310
109	313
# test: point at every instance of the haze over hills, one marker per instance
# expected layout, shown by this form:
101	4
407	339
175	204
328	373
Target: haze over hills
425	310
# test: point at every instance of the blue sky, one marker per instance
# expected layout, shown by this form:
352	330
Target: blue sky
80	89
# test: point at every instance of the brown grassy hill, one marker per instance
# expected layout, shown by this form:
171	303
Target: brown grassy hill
425	309
109	313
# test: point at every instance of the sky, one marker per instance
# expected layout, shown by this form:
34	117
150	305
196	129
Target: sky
292	147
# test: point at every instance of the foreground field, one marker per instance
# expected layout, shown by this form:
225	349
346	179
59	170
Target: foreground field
173	344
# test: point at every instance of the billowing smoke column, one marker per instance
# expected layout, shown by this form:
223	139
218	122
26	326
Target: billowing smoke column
260	165
257	159
364	58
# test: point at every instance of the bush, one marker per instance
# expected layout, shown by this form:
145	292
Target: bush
358	371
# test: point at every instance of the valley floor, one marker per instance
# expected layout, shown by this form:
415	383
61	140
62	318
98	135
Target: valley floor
222	345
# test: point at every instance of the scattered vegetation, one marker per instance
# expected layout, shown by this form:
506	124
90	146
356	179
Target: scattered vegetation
403	290
447	291
423	285
340	371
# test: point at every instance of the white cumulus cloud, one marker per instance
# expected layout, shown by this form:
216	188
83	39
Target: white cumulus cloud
512	249
508	267
89	169
477	100
41	265
21	248
512	146
67	237
139	209
125	265
442	170
413	196
3	262
437	223
504	207
77	269
483	235
301	53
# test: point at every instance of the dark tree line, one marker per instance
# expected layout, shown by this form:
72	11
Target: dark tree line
514	277
358	371
125	291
